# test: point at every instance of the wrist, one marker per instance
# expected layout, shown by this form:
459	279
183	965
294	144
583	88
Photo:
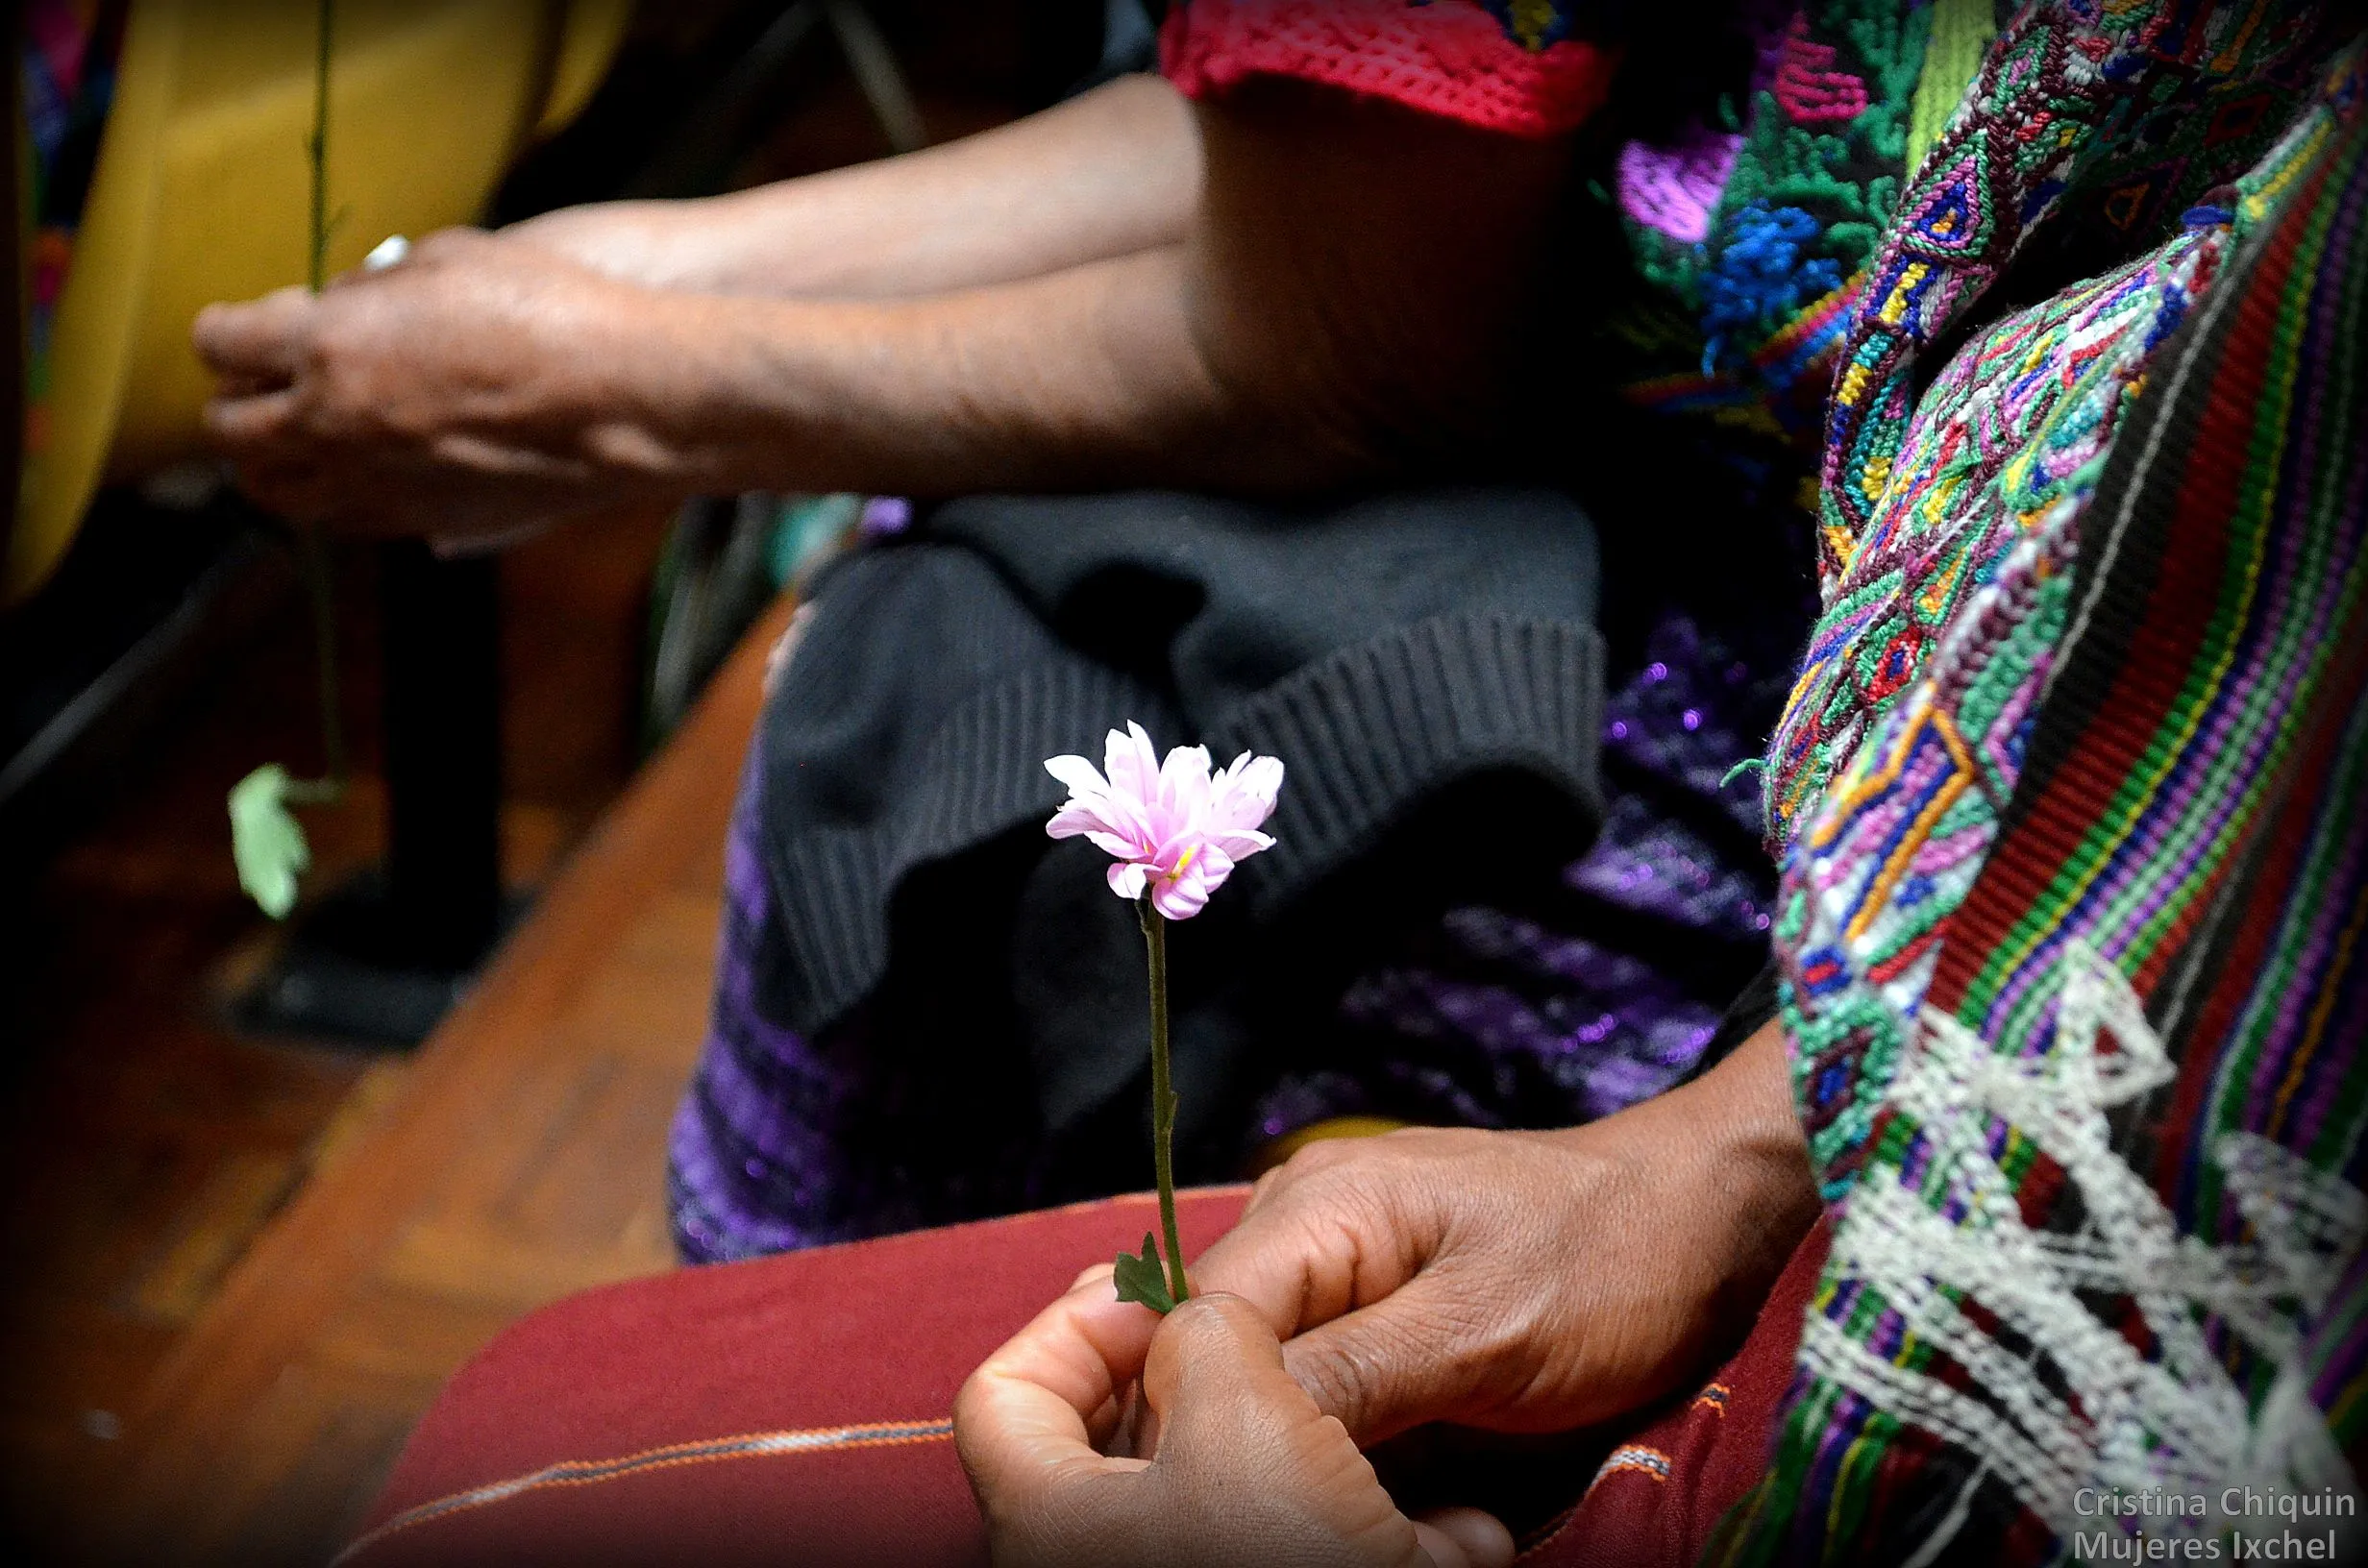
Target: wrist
1723	1162
618	390
1747	1163
632	242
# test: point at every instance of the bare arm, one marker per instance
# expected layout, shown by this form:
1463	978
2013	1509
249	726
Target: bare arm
1344	305
1113	171
1351	300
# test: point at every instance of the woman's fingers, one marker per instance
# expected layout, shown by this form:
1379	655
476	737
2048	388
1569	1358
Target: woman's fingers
245	422
1464	1538
1426	1352
1334	1256
1212	1359
1323	1235
1022	1421
1249	1469
261	339
1244	1448
443	397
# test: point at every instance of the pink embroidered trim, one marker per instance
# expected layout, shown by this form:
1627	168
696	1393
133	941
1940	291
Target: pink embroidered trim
1675	189
1810	90
1449	57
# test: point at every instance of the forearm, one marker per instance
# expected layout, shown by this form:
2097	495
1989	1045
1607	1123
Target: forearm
1294	341
1729	1147
1349	303
1097	375
1108	173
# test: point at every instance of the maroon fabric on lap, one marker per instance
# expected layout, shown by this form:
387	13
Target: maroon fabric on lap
794	1410
810	1343
1663	1491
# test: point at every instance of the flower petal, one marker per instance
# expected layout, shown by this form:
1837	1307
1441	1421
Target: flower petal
1109	823
1082	776
1075	817
1243	795
1180	899
1126	879
1184	784
1239	844
1182	896
1117	845
1132	765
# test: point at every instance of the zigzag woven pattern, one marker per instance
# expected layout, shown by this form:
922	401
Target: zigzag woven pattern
2171	858
1943	607
2090	131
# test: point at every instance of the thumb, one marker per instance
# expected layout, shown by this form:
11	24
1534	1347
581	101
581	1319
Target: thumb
1237	1430
1215	1367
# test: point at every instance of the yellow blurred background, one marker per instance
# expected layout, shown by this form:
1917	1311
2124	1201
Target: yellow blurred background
200	194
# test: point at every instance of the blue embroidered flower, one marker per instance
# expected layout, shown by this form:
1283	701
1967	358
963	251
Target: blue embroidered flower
1761	277
2167	315
1533	24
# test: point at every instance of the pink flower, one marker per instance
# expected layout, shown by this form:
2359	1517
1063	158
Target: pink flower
1174	829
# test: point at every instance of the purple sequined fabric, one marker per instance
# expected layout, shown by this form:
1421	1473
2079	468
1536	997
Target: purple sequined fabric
1520	1024
785	1141
749	1154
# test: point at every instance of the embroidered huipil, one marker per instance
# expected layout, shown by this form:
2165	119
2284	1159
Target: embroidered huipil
1999	1000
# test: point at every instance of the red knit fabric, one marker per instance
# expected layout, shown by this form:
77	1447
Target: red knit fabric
1449	58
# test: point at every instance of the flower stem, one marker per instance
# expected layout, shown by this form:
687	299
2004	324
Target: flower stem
310	544
316	147
1162	1095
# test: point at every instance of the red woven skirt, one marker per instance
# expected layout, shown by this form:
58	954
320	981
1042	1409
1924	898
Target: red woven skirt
796	1410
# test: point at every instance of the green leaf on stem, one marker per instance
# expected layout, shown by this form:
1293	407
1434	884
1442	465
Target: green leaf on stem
266	842
1141	1279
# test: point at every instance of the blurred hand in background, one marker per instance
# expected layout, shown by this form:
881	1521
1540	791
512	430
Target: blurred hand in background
1285	290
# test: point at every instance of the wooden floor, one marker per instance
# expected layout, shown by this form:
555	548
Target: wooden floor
521	1159
231	1270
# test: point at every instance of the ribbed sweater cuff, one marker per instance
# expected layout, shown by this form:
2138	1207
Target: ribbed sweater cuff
982	775
1367	733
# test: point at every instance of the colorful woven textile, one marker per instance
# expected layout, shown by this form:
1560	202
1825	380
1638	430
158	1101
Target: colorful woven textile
1947	561
1755	233
2071	790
